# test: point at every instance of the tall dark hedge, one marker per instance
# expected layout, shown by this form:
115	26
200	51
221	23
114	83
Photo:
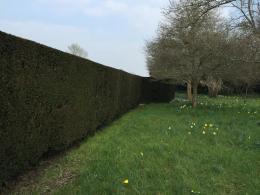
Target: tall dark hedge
152	89
49	99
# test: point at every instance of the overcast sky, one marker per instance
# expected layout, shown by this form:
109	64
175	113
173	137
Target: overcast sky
112	31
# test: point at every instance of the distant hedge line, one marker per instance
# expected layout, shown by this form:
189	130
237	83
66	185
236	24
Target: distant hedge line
50	99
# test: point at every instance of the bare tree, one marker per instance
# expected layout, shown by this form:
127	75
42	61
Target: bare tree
75	49
244	60
186	51
248	13
214	85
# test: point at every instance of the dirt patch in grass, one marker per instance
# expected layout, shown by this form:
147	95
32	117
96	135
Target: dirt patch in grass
37	178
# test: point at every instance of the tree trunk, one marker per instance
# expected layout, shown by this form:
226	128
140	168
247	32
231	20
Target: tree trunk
189	93
215	93
214	86
195	94
246	90
212	92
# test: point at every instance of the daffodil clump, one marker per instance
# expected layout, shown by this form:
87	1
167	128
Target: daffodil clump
183	106
210	128
194	192
193	124
252	112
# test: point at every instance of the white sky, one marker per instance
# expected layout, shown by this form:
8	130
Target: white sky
113	32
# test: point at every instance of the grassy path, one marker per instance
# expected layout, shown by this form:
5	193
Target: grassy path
163	149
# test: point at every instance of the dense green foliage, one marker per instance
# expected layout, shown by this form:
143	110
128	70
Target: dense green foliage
50	99
163	149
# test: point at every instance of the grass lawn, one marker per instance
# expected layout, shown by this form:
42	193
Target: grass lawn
162	149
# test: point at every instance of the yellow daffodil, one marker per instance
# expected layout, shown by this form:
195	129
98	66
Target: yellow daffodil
211	125
214	133
206	125
142	154
204	132
125	181
189	132
191	126
170	128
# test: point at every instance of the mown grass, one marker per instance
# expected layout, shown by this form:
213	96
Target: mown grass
163	149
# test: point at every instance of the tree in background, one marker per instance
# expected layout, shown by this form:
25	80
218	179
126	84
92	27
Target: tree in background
194	46
244	61
76	50
187	50
245	52
214	85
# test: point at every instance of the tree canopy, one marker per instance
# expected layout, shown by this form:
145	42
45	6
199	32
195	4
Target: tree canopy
194	45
